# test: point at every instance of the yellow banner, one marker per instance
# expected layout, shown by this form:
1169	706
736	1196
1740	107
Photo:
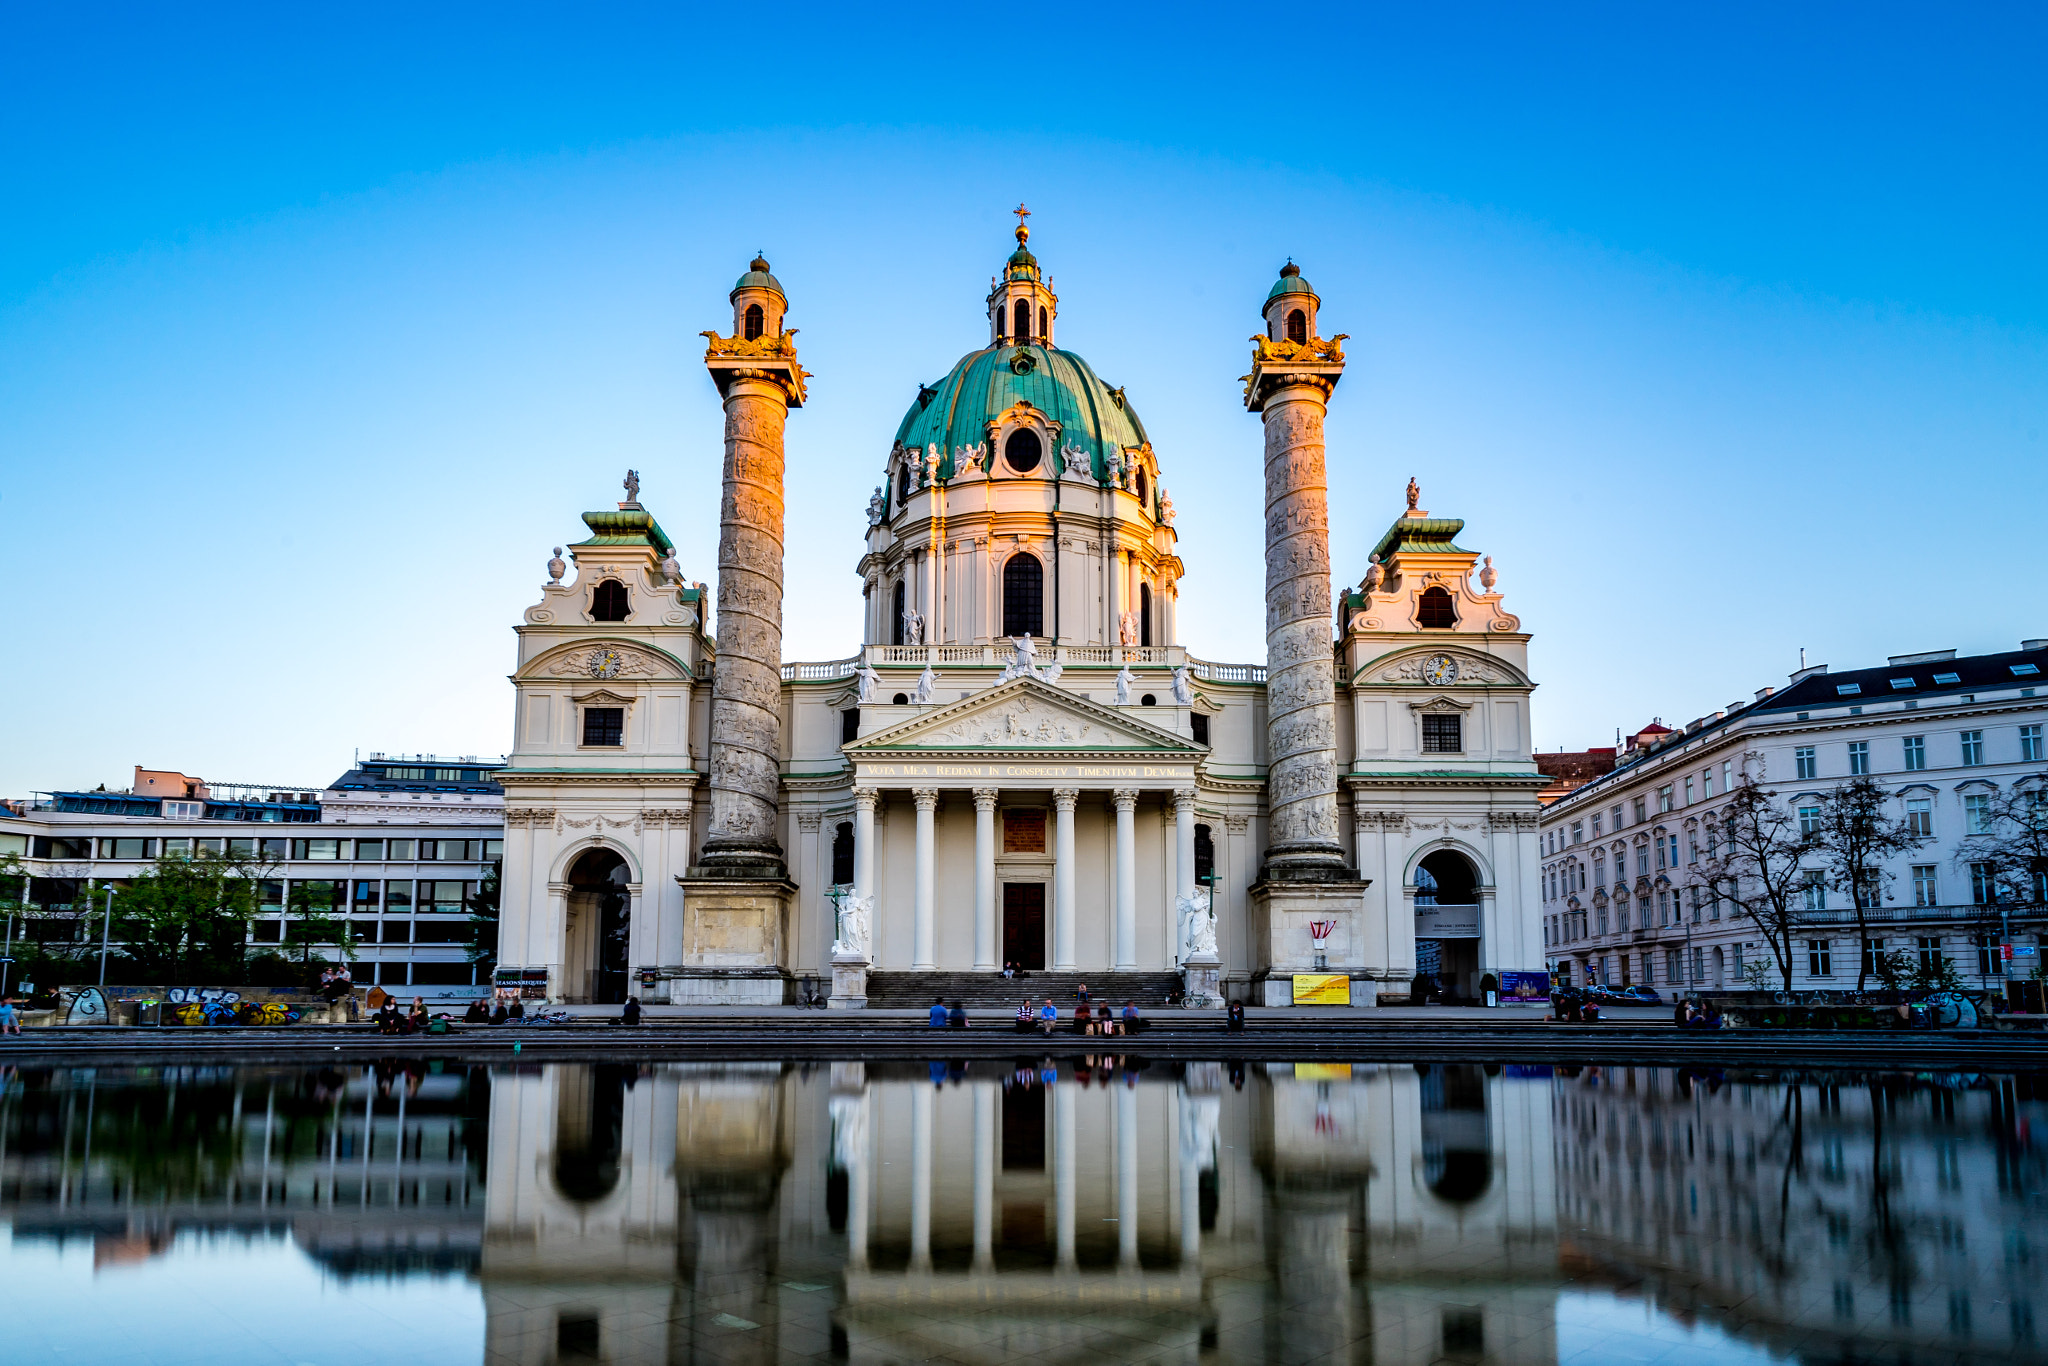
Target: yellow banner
1322	989
1322	1071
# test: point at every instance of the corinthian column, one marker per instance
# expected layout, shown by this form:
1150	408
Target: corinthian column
758	376
1293	373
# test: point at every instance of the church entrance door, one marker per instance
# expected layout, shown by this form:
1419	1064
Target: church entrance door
596	967
1024	924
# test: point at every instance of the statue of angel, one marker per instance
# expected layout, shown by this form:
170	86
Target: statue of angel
1197	925
1165	507
926	681
1183	686
1123	686
913	626
852	941
878	507
1127	629
1077	462
1113	468
931	464
1052	672
1023	664
868	679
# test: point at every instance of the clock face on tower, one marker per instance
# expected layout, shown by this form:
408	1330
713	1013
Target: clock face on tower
605	663
1439	669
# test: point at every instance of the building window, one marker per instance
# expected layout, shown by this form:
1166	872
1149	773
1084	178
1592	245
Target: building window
1642	860
1727	776
1920	816
1983	885
1642	810
755	321
849	725
1671	967
1023	450
1022	327
1023	596
1859	758
842	853
903	486
1599	873
609	603
1435	610
1297	326
1688	791
1973	747
1931	959
1664	799
896	605
1707	783
1044	324
1820	960
1977	813
1873	950
604	725
1916	753
1924	892
1205	855
1815	890
1579	831
1198	725
2030	744
1443	734
1990	962
1145	615
1803	763
1809	820
1596	825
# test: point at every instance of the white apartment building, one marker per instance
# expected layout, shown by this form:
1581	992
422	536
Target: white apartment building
400	840
1621	900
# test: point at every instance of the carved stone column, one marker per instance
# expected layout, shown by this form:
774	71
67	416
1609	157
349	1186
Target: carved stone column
927	800
737	897
1304	875
1125	800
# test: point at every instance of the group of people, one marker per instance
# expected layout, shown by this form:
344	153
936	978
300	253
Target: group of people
504	1009
1013	970
1088	1017
390	1019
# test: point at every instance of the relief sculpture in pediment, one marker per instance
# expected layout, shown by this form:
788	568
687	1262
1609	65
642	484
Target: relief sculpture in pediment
1021	724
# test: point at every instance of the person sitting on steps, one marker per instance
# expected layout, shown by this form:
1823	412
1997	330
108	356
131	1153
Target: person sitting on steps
1048	1017
938	1012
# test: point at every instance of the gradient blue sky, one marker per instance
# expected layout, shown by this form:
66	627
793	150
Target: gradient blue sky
1725	329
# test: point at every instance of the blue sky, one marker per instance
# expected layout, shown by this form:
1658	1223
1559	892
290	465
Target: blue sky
1723	329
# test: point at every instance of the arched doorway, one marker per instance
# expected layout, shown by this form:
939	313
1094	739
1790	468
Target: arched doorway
595	965
1446	928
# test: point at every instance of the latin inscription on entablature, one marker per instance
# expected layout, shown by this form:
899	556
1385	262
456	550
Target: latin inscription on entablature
1084	772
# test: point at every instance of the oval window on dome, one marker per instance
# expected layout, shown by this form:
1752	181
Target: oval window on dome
1023	450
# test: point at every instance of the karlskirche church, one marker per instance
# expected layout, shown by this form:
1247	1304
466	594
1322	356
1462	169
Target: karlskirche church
1025	763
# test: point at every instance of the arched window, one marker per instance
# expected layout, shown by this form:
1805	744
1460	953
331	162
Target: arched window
609	602
1205	854
903	487
1138	485
1023	596
1144	614
1436	609
842	854
755	321
1297	326
1023	450
1022	328
896	615
1043	330
1002	316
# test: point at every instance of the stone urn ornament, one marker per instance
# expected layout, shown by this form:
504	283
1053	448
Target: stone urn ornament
556	568
1487	576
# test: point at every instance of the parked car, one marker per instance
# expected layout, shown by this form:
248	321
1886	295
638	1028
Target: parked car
1635	995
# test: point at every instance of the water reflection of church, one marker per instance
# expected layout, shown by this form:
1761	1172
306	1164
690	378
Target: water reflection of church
908	1212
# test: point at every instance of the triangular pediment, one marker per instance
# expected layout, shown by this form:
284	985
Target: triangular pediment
1026	714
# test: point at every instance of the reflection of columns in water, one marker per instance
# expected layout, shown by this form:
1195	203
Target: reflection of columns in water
1199	1114
1127	1178
850	1152
1064	1098
984	1178
921	1178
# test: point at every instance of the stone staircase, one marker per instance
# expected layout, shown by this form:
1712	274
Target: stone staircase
991	990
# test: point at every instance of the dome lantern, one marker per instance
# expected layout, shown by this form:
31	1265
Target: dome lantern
758	302
1021	305
1291	306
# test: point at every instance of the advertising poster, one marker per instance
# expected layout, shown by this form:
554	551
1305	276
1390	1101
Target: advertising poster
1524	988
1322	989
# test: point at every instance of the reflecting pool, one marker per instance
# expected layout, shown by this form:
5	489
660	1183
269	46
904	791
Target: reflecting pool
624	1213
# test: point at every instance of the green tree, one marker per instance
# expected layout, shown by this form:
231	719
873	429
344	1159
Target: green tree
310	923
482	943
186	920
1857	834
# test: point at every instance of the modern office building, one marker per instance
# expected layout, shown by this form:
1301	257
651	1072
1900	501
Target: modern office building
399	842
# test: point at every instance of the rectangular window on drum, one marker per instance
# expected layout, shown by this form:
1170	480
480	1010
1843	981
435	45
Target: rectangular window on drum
604	725
1443	735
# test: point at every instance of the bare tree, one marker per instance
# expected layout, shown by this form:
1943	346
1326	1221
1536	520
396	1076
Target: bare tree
1856	835
1753	861
2012	850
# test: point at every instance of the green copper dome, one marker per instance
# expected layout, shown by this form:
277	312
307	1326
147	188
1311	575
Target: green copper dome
1290	282
757	277
956	411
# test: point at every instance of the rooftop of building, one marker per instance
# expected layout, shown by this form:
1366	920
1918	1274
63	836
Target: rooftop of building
421	773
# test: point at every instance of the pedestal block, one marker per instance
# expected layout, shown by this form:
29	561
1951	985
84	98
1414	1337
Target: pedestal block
735	941
849	983
1280	916
1202	981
